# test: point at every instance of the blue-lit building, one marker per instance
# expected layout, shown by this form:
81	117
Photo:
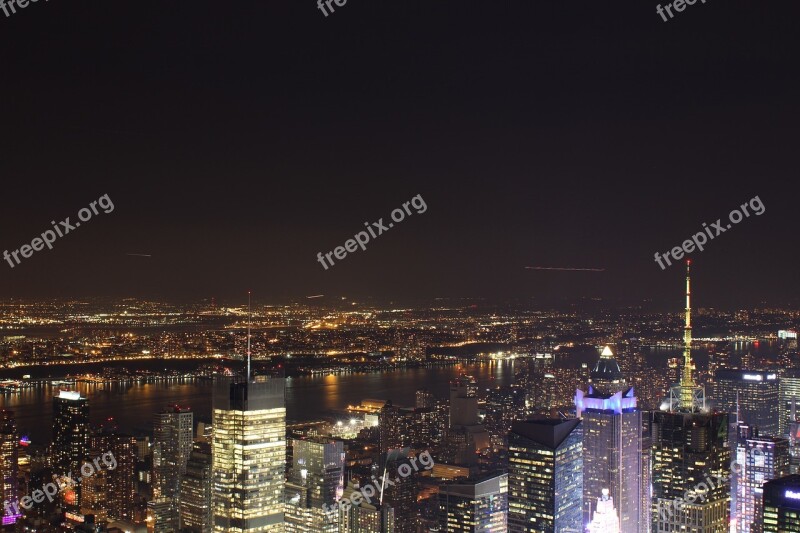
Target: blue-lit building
613	464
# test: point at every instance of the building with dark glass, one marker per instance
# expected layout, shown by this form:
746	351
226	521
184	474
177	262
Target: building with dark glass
545	476
781	509
474	506
758	397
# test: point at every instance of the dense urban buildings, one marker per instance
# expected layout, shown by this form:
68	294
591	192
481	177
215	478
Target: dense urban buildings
314	482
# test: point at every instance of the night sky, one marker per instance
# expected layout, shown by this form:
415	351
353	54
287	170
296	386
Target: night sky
238	139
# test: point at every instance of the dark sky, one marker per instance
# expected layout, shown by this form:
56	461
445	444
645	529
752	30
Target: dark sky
238	139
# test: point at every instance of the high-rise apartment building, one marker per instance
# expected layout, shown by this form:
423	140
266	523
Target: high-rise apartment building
9	468
249	455
172	444
195	498
545	476
70	446
109	493
612	456
315	482
758	398
474	506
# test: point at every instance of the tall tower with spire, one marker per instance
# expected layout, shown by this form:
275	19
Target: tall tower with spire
689	446
686	396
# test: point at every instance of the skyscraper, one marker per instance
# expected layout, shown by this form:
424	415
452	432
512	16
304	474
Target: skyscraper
249	455
316	481
545	476
761	459
689	447
757	394
172	444
781	508
110	493
612	456
474	506
70	440
789	386
9	467
195	498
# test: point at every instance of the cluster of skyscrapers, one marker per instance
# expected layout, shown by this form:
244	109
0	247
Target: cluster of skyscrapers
724	463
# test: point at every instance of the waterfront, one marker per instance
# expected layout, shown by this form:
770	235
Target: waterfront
307	397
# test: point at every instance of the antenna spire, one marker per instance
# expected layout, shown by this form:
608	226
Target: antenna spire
687	381
249	315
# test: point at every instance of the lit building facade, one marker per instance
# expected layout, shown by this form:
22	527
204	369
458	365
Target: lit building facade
789	386
479	506
249	455
612	456
688	449
758	398
760	459
545	476
365	517
316	482
9	467
70	447
195	499
781	508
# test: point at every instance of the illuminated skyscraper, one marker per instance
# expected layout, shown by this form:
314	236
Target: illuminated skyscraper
70	440
110	493
612	456
781	508
758	398
195	499
545	476
689	446
9	467
316	482
479	506
761	459
249	455
172	444
789	386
